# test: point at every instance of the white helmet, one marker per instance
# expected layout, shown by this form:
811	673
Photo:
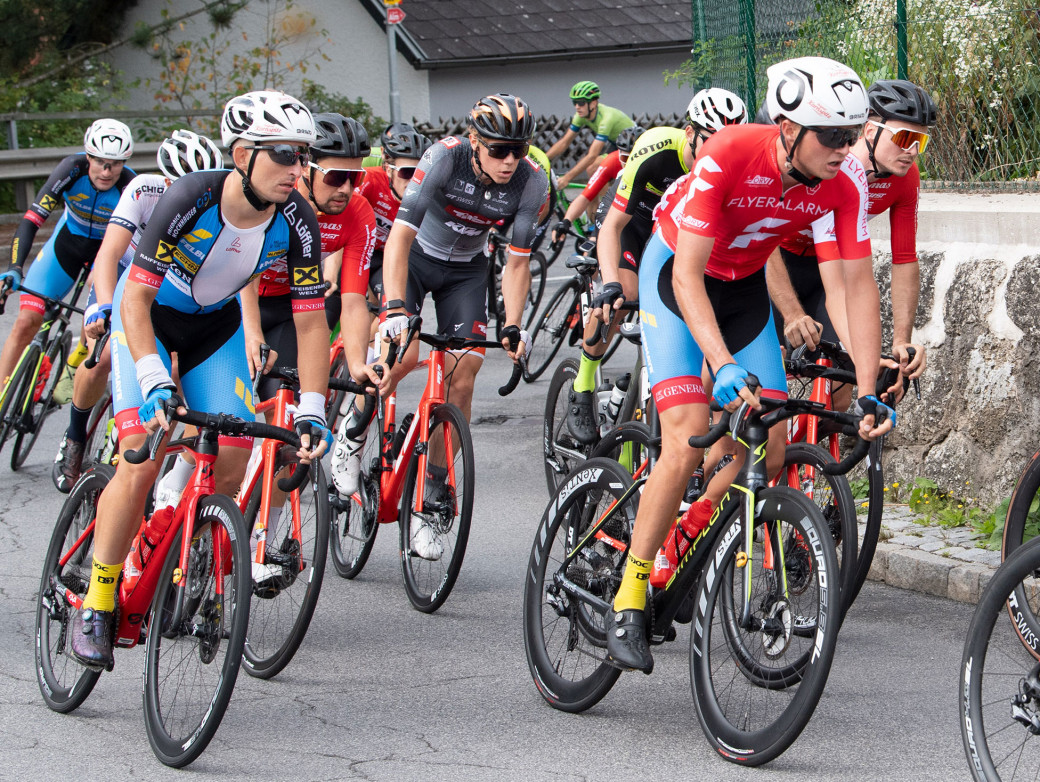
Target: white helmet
816	92
714	108
184	152
110	139
266	116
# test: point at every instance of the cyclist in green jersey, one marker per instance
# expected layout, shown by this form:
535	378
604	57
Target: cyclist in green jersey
605	121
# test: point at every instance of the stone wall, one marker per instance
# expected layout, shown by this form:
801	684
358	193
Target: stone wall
976	424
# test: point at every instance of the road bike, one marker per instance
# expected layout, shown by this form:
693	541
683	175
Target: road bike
497	256
764	607
418	473
188	601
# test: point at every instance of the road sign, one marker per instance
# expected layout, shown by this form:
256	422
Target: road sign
394	15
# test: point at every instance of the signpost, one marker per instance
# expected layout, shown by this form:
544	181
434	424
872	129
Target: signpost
394	16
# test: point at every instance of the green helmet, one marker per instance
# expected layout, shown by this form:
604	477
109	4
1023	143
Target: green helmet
585	90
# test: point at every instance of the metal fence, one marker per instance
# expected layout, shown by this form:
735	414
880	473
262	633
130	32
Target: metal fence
979	61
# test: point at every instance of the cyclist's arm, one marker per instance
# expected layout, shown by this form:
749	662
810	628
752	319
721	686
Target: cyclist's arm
250	298
608	246
312	344
906	287
799	328
560	146
106	263
395	261
832	275
330	271
595	150
47	199
577	208
863	305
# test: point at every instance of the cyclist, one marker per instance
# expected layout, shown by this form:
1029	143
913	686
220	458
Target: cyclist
210	234
704	298
896	132
89	183
661	156
438	245
384	185
182	152
605	121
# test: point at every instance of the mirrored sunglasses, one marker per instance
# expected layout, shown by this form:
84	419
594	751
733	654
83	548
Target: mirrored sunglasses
904	138
405	172
337	177
502	151
836	138
285	154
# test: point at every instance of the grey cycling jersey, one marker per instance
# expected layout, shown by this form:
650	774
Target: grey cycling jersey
452	212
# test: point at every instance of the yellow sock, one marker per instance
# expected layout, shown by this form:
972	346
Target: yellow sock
101	595
78	355
632	592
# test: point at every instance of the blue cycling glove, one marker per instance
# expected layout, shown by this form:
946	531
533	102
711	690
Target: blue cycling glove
14	275
871	405
153	402
103	311
316	428
728	381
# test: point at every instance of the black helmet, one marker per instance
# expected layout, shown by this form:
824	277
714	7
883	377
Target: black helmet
503	117
626	139
898	99
340	136
403	140
762	116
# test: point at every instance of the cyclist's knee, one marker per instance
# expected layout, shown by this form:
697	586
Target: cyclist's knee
230	469
28	322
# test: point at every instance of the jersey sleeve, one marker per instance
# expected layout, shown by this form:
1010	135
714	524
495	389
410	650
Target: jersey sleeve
534	194
306	285
359	241
129	212
825	239
903	218
576	122
432	173
852	212
602	176
707	186
47	200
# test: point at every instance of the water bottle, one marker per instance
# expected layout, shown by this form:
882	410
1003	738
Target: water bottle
148	538
617	398
680	538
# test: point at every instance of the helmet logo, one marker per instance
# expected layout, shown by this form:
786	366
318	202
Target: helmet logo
846	88
798	79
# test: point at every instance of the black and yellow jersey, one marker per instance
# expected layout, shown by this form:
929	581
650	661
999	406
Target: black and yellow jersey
657	160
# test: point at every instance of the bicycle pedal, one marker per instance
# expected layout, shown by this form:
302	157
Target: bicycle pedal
656	639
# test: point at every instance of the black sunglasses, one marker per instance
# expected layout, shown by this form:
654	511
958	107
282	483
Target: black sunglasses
285	154
502	151
405	172
580	103
337	177
836	138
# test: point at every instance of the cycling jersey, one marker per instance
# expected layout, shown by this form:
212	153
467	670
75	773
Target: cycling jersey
603	175
452	211
735	195
606	125
374	159
657	160
375	188
542	160
198	262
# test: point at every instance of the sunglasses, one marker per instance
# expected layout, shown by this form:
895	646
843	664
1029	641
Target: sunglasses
581	103
502	151
337	177
904	138
285	154
406	172
104	163
836	138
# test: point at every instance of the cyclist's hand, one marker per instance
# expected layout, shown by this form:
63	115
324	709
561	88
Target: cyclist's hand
515	340
559	234
803	331
315	437
98	321
876	418
331	288
393	327
607	301
253	355
731	388
911	367
367	373
11	279
152	414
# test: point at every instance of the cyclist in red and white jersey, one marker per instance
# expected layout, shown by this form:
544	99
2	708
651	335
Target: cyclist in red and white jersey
703	295
895	134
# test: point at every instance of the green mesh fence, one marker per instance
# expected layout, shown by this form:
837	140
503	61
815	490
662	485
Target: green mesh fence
979	61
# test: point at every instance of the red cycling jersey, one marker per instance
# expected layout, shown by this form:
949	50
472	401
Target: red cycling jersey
603	175
377	191
735	196
353	231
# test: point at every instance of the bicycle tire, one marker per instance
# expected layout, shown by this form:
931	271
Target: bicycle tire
428	583
354	520
97	430
58	353
871	531
65	683
833	497
998	689
539	273
1023	499
278	623
728	695
630	444
551	328
615	343
334	397
19	392
181	724
561	452
565	639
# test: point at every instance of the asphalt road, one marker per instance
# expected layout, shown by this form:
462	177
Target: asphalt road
379	691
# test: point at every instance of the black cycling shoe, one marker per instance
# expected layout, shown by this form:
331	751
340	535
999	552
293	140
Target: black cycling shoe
581	416
92	632
627	646
68	465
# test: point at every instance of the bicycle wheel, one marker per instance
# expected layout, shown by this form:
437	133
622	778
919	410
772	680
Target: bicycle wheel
97	430
803	470
1023	513
354	520
870	469
65	683
561	314
630	317
196	634
999	689
334	397
565	633
539	271
446	510
17	405
299	544
561	451
631	445
37	412
756	683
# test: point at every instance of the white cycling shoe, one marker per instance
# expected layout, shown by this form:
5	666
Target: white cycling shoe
425	541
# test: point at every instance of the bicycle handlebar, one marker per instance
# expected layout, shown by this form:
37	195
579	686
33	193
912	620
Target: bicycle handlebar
99	348
600	335
801	366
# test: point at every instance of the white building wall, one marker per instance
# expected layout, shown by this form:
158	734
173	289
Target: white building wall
357	65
